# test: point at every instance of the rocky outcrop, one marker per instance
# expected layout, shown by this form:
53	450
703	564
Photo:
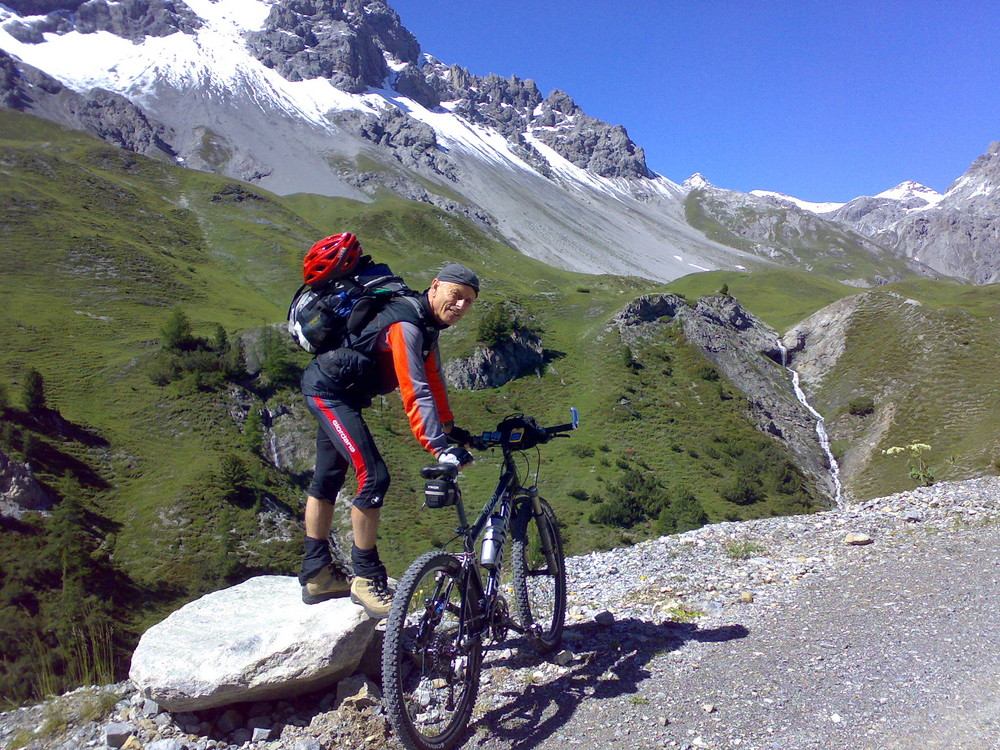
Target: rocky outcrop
590	144
745	350
109	116
817	343
345	41
490	367
410	141
130	19
254	641
20	491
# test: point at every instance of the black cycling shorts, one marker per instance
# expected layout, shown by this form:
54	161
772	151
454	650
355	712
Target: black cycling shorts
343	440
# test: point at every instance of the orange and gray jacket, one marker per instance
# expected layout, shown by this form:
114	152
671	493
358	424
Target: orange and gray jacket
398	349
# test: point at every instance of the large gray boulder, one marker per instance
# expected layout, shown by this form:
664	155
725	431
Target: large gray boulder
255	641
20	491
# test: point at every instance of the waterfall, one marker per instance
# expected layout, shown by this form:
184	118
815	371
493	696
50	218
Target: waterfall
824	438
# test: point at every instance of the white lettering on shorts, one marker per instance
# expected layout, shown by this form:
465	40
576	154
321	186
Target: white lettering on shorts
344	436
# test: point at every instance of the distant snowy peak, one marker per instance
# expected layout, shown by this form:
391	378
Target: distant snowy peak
909	195
816	208
910	190
696	181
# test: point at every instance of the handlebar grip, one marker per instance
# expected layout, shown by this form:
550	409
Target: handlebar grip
560	428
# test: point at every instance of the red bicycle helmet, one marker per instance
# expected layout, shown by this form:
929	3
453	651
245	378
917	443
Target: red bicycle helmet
331	258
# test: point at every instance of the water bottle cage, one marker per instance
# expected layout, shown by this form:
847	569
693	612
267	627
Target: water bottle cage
441	493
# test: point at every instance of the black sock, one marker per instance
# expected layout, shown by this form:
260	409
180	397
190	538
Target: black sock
367	563
316	557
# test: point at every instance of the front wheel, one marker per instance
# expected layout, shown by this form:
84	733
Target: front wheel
539	574
430	662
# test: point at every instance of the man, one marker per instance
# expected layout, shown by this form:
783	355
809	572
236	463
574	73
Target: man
398	349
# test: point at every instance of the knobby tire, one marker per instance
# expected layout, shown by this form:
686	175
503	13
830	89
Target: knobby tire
430	678
539	575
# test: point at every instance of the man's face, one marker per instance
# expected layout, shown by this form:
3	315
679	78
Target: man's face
450	301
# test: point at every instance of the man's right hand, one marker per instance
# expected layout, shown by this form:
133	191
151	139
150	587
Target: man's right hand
459	436
455	455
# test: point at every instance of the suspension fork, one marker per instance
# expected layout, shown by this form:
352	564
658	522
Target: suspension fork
530	494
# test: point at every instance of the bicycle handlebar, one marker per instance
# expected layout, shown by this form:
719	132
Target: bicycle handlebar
501	437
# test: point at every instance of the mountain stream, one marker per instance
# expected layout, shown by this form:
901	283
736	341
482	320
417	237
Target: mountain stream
824	438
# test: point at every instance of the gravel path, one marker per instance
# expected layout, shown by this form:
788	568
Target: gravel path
868	627
892	644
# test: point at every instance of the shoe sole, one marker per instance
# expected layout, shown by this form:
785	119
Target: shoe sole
317	598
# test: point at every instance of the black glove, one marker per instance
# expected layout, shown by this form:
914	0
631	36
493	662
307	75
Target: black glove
455	455
459	436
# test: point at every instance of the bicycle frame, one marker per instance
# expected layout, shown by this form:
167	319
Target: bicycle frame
505	497
451	606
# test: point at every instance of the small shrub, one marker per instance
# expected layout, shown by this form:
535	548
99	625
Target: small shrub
861	406
743	490
629	360
579	495
709	373
496	323
920	472
744	549
581	451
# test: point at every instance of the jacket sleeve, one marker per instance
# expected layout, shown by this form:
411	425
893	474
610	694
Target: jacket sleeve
420	385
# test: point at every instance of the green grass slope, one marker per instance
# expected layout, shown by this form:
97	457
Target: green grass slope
928	355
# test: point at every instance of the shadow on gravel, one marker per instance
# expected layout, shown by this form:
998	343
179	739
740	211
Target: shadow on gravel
611	662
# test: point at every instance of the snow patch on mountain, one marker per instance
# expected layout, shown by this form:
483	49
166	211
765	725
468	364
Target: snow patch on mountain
909	190
812	207
214	58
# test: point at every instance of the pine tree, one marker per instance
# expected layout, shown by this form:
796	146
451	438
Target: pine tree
275	363
220	341
176	333
33	392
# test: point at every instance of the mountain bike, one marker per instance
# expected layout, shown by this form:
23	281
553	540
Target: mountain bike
449	606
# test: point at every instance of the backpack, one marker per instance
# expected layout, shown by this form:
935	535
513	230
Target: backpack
324	318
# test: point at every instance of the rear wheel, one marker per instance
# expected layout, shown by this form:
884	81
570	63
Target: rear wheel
430	664
539	574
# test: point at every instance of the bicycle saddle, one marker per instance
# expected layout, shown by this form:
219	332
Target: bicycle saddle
439	471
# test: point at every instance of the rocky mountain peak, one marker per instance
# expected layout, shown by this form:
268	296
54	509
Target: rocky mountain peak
696	182
130	19
345	41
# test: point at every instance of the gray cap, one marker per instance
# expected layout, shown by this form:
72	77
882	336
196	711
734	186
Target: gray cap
456	273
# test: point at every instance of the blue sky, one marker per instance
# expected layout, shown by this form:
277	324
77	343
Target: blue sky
820	100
